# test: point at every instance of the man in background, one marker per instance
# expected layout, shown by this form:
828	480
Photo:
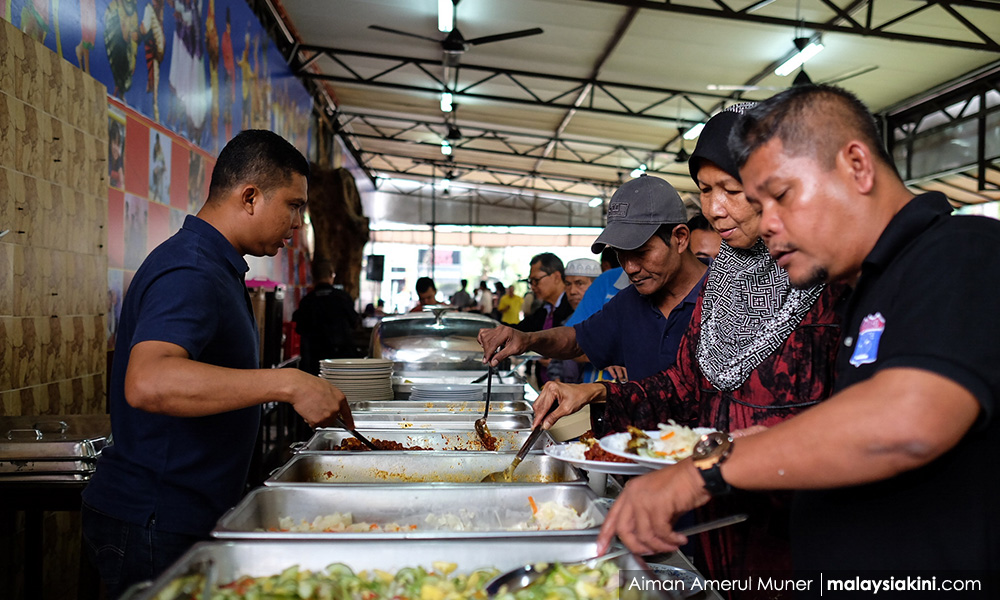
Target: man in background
326	321
461	299
426	294
705	240
510	306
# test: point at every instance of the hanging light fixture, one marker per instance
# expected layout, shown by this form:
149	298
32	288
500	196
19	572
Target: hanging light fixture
806	49
446	16
447	102
595	202
446	147
694	132
639	171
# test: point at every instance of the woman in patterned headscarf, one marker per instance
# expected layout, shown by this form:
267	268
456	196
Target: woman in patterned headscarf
756	353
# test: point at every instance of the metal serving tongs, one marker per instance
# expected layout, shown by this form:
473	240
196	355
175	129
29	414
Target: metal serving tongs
367	442
522	577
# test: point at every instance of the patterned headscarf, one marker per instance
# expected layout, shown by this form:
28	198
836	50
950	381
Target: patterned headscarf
749	308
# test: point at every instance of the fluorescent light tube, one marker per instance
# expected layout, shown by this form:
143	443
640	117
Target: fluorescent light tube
799	59
446	16
694	132
446	102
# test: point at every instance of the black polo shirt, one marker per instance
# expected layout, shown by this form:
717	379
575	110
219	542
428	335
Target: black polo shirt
926	299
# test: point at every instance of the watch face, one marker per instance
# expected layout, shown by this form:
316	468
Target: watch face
708	443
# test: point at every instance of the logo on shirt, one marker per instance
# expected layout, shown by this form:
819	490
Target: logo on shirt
868	336
618	210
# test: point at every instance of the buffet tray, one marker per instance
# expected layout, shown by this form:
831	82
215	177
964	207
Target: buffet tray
439	421
257	558
475	409
488	511
71	437
441	468
324	440
45	467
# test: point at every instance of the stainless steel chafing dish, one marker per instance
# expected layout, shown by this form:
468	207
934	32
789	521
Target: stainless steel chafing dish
51	448
446	468
324	440
440	407
506	388
225	562
485	511
437	338
500	422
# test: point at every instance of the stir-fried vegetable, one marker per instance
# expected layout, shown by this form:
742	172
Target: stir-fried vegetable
339	582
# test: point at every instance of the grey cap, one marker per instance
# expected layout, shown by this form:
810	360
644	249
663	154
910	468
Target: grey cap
637	210
582	267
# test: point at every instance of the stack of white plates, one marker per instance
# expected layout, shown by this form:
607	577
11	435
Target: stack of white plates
455	392
359	378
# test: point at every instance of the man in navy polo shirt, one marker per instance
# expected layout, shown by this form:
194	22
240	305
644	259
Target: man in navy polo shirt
897	469
185	383
641	327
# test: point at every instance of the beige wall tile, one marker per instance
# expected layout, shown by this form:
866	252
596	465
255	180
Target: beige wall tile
8	205
10	402
6	356
6	282
10	41
55	98
7	129
28	151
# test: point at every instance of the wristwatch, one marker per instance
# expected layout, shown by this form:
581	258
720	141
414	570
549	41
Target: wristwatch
709	453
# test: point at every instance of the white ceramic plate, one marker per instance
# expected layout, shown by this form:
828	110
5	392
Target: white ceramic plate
561	452
615	444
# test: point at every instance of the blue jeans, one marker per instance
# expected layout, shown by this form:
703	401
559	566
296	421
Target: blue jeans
125	553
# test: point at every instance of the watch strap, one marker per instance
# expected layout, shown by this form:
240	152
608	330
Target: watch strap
714	482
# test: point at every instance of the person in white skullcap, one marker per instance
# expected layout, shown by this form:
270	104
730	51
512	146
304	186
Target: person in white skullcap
579	274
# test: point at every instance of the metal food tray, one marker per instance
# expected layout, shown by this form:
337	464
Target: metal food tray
444	467
229	561
45	467
439	421
324	440
474	408
71	437
506	389
486	511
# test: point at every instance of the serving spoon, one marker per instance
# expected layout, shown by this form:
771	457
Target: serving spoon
507	475
482	430
522	577
367	442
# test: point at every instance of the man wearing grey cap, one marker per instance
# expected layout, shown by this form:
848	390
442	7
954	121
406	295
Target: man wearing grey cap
641	327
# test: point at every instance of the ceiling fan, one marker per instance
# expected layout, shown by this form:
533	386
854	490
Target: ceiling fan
454	44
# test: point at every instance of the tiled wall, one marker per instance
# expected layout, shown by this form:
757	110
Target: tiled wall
53	262
53	269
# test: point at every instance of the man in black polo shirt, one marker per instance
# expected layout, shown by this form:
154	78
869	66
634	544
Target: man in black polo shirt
895	468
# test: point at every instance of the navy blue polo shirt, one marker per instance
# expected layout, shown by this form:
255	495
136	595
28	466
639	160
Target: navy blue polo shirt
631	332
183	471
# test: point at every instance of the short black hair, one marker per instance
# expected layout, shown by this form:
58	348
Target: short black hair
322	269
259	157
666	231
700	222
815	120
424	284
465	282
550	263
608	255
